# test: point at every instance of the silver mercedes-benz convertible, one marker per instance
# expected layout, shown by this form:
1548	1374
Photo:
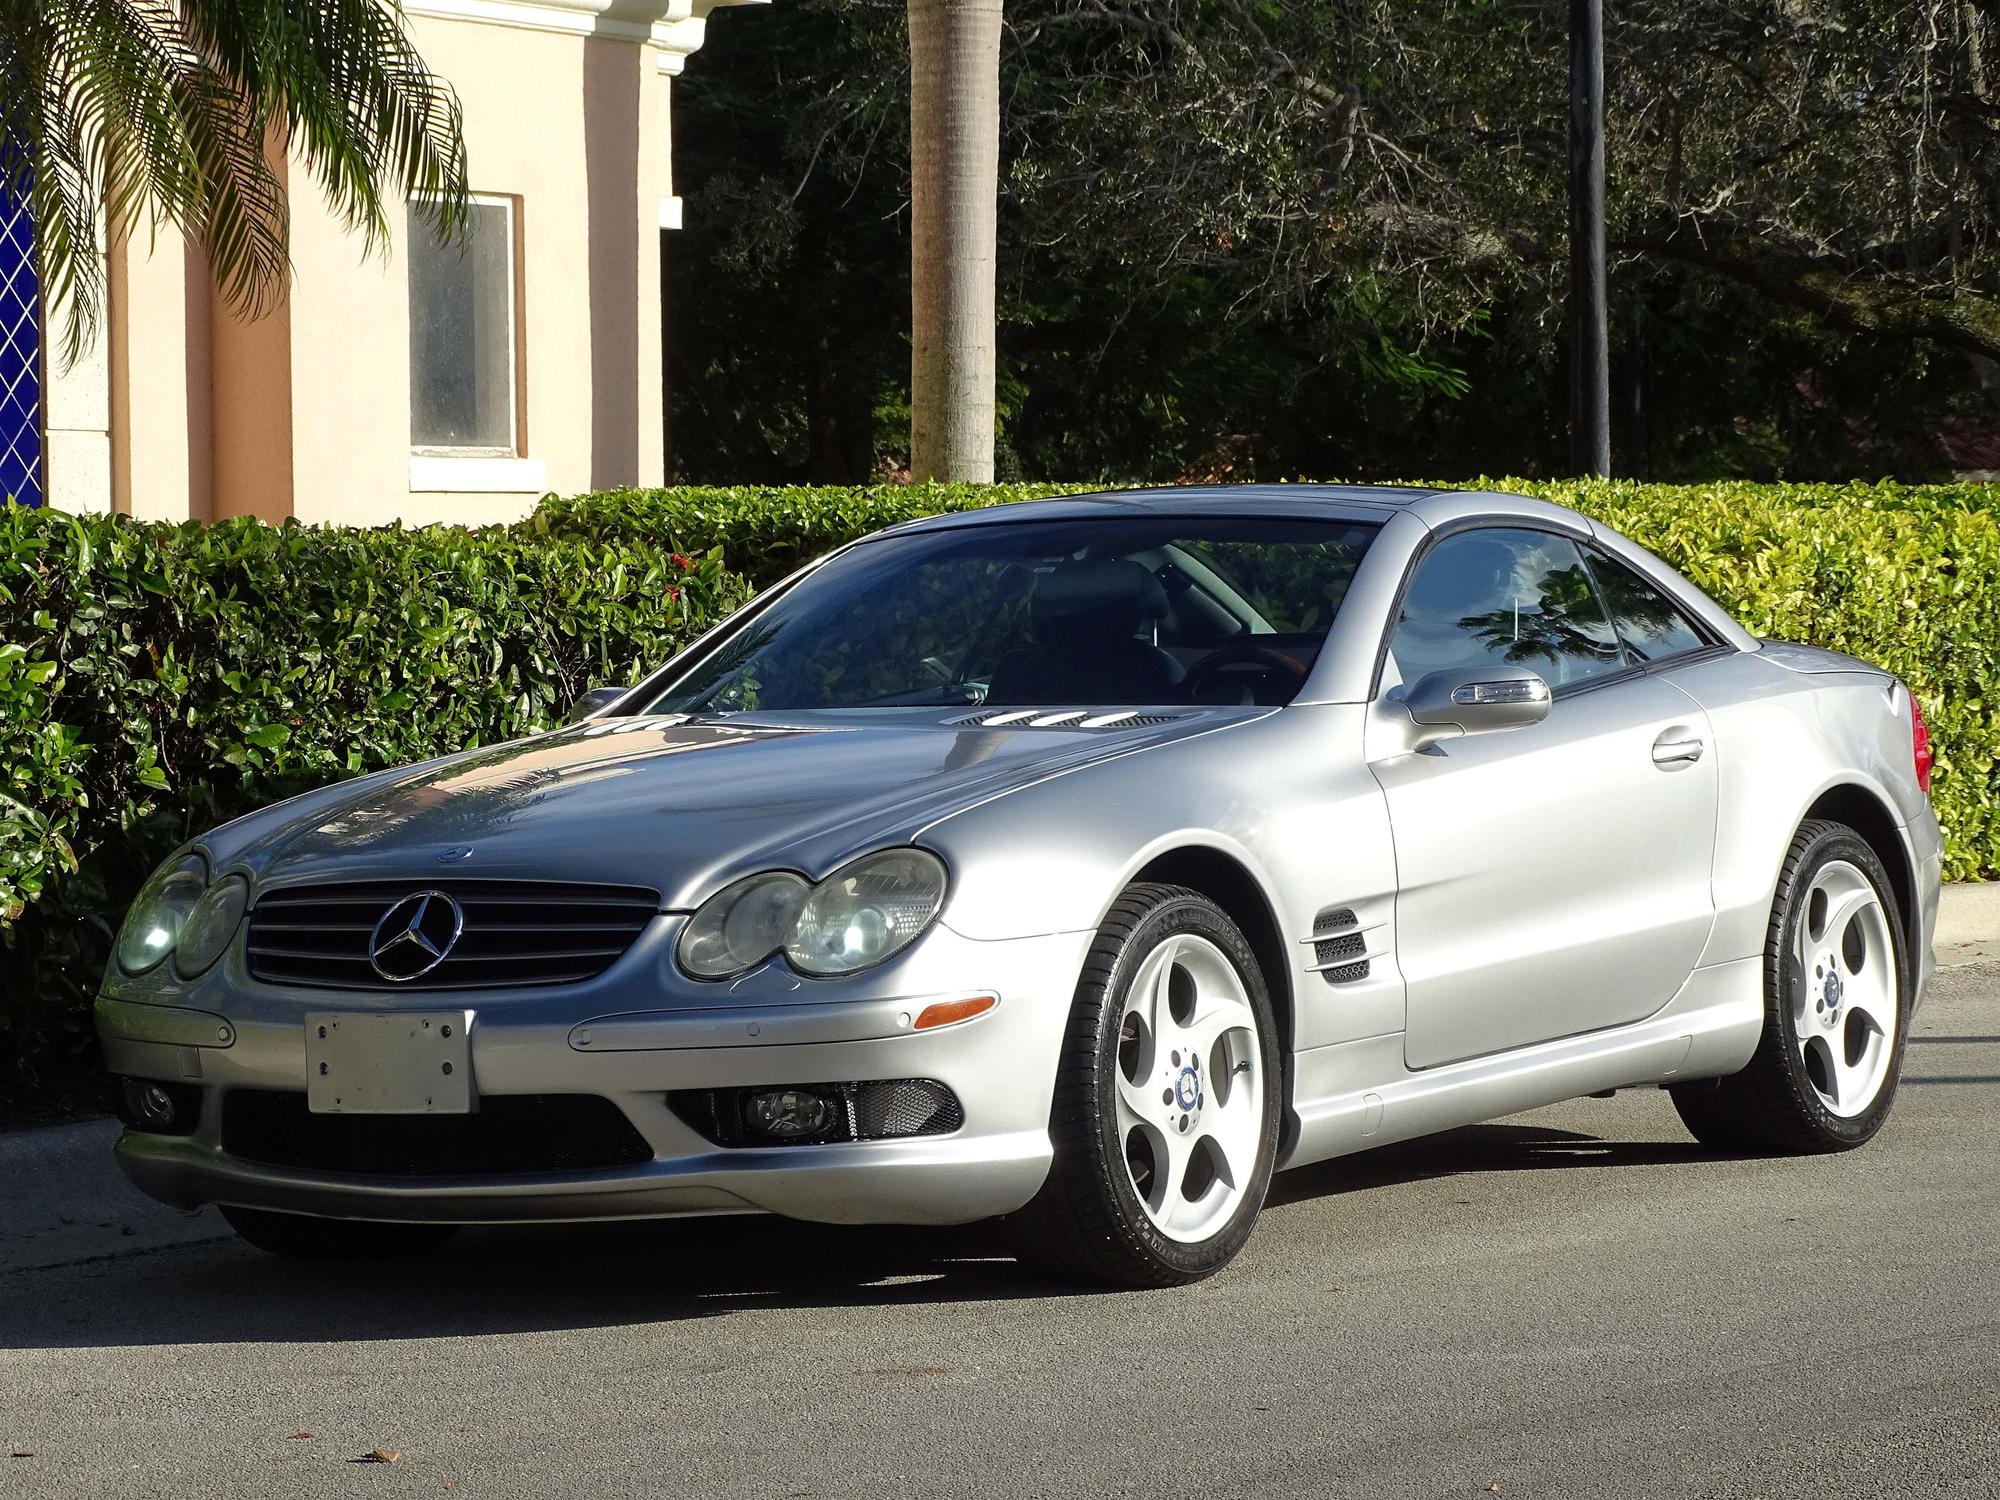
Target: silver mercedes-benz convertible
1074	864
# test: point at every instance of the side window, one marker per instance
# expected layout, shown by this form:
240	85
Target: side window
1649	624
1510	596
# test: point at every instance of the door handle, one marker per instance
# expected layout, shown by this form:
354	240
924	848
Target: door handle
1668	754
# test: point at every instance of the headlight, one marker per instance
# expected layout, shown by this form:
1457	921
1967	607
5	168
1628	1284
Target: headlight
864	912
858	916
160	913
741	926
211	925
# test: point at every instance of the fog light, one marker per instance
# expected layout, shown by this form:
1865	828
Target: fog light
788	1114
161	1108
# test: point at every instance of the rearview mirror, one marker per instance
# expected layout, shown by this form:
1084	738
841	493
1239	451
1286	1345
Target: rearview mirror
590	702
1474	700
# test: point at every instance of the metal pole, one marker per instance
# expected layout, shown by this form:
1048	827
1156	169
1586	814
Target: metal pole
1589	338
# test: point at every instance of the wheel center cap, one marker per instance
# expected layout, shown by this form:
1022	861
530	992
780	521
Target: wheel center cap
1832	992
1187	1089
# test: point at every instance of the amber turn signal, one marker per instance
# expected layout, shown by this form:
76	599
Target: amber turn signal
950	1012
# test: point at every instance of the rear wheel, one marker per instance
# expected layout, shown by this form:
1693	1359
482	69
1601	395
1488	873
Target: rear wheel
306	1237
1167	1102
1836	978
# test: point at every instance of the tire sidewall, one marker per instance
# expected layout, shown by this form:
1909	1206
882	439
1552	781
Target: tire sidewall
1177	914
1835	844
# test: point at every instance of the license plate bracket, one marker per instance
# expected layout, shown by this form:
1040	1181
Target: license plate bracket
392	1063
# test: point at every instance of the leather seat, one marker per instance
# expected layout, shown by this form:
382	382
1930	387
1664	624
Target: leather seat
1086	618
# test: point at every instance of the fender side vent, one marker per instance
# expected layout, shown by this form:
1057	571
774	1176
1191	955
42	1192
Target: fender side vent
1338	919
1333	950
1346	973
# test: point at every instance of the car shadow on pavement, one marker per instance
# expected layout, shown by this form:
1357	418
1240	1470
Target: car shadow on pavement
504	1280
563	1277
1478	1148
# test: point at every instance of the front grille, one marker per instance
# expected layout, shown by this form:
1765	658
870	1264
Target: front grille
516	932
508	1135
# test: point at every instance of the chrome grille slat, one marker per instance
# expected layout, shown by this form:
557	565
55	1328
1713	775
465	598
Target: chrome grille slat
543	932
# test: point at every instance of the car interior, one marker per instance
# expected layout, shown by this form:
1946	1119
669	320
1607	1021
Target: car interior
1159	628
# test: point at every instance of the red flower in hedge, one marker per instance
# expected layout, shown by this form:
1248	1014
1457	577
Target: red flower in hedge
673	593
683	561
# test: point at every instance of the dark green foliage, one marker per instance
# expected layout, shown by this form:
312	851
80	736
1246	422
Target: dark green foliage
1328	236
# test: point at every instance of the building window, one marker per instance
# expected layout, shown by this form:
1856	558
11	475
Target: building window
464	353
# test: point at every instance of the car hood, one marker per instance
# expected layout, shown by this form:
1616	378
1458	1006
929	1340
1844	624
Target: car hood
681	806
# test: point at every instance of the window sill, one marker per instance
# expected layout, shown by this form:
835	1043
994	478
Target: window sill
478	476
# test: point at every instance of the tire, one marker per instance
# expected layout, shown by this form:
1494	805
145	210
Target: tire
1837	980
306	1237
1171	1031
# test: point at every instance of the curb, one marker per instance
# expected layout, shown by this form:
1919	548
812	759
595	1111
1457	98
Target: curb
1968	929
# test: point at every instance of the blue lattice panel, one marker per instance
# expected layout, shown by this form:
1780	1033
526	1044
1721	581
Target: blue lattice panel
20	357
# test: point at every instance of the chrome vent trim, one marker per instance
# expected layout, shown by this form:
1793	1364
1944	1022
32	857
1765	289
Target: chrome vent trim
517	933
1062	718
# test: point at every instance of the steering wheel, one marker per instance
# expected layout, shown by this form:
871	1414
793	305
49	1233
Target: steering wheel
1239	658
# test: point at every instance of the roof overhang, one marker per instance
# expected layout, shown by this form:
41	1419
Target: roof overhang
674	29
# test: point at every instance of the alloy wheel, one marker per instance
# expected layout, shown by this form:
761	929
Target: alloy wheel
1846	995
1190	1087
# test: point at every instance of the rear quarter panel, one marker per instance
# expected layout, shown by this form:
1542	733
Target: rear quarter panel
1786	732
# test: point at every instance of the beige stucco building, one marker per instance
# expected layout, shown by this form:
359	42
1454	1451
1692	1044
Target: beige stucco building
414	382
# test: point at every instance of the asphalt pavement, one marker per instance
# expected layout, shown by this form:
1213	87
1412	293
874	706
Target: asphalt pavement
1576	1301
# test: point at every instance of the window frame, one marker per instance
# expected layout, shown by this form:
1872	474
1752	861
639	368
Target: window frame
642	695
517	418
1584	540
1696	626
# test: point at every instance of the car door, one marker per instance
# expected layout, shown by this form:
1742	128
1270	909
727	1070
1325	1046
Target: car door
1552	879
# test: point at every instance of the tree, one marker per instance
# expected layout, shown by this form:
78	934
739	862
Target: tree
954	183
1274	238
180	111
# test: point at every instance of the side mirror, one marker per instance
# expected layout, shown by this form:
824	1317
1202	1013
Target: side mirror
1474	700
590	702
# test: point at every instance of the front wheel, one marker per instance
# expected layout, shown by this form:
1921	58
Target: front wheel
1836	981
305	1237
1167	1101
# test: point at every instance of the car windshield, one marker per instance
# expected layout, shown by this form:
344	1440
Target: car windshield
1133	611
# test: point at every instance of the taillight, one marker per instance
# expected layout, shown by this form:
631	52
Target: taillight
1920	745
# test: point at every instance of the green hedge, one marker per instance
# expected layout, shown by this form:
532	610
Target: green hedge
155	680
765	533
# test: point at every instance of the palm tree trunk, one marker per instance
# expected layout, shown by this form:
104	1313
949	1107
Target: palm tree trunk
954	180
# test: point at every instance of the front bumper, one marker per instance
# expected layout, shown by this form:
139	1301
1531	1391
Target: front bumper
628	1048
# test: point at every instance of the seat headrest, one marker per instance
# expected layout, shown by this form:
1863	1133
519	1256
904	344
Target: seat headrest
1463	576
1115	595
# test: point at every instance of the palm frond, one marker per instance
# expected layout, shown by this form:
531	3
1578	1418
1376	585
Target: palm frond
182	112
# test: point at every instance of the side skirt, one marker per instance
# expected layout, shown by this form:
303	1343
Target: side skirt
1356	1095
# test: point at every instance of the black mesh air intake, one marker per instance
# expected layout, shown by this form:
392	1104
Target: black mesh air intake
509	1134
